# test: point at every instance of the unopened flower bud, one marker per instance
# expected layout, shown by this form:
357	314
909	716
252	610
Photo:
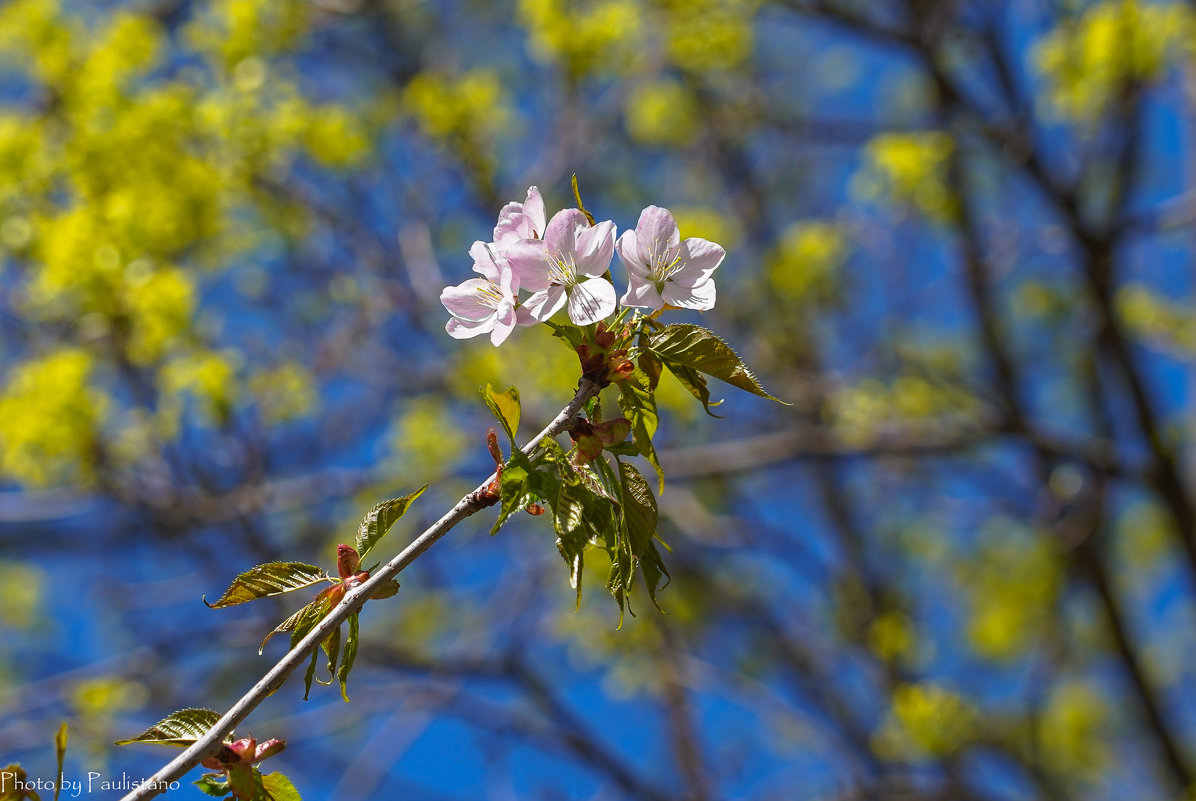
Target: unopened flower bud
347	560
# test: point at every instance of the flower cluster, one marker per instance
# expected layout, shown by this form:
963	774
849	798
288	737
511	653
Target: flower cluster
564	262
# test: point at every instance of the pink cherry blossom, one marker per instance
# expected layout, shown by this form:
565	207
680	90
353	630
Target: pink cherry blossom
523	220
554	268
483	305
664	270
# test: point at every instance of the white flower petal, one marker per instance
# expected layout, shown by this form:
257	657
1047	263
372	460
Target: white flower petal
545	303
591	301
629	254
656	231
466	299
595	248
529	264
465	329
699	298
701	257
641	294
504	324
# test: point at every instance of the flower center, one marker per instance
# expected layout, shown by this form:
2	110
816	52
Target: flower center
490	295
665	264
561	270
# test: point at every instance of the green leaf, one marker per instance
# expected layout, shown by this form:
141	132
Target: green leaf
60	751
639	509
269	579
514	491
310	675
214	784
639	406
286	625
309	617
379	520
179	729
505	406
701	349
302	621
279	787
576	563
570	336
331	646
649	365
693	382
350	656
653	570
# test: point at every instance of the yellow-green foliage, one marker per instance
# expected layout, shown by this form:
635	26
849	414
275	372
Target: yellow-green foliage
22	586
126	190
229	31
105	696
207	376
602	36
707	223
926	720
284	392
708	35
911	400
465	114
661	112
49	417
1086	61
1014	583
892	636
807	259
907	169
617	37
427	440
1160	320
465	107
1072	729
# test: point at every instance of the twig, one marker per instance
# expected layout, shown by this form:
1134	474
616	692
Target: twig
352	602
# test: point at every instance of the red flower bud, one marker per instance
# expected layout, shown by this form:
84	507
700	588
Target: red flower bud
347	560
268	749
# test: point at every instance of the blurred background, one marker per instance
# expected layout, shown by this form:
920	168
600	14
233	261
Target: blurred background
960	238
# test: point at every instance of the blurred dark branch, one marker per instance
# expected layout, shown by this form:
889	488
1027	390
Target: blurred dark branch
691	763
851	21
808	441
566	733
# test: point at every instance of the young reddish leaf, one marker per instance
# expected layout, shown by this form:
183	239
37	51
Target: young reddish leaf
347	561
379	520
179	729
505	406
269	579
701	349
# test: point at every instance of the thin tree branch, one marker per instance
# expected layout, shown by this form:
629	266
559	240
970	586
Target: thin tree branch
352	602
